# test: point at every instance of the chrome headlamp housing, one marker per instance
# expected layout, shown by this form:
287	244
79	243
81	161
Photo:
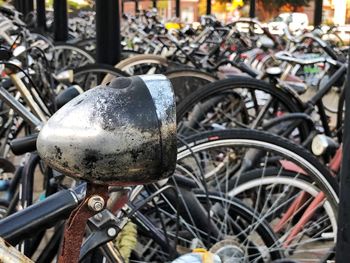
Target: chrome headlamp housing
120	134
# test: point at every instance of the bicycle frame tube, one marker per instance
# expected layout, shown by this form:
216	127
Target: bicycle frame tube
317	100
333	79
11	191
41	215
27	96
28	180
197	214
21	110
309	212
146	224
323	117
10	254
52	247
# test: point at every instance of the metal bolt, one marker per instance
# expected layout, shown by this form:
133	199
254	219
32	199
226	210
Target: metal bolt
96	203
111	232
98	217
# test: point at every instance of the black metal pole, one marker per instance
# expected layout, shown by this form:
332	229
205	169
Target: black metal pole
137	6
343	235
154	3
28	6
177	8
40	15
17	4
108	49
318	12
24	6
60	20
208	7
252	8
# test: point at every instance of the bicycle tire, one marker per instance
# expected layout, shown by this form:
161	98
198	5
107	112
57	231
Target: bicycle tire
187	80
266	180
236	209
76	51
324	178
138	60
284	97
318	179
102	72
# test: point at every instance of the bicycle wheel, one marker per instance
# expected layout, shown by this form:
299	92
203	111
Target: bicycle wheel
279	180
236	238
89	45
90	76
186	81
333	39
143	64
68	56
237	102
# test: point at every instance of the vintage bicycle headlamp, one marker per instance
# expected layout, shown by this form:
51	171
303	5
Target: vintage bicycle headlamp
120	134
321	143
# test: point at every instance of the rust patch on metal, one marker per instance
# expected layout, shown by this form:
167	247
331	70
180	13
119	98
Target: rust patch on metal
75	226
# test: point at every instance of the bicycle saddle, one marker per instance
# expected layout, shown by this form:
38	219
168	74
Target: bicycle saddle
120	134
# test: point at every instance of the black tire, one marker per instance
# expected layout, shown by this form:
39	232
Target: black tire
327	183
236	211
89	45
187	81
70	56
213	157
230	87
92	75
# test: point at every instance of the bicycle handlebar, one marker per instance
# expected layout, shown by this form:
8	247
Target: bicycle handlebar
289	58
322	43
23	145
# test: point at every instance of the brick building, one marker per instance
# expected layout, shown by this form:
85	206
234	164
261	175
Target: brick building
334	11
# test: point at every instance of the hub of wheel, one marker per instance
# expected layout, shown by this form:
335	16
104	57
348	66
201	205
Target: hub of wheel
229	251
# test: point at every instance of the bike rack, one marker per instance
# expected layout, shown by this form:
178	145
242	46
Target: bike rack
41	14
318	12
24	6
252	9
60	20
108	49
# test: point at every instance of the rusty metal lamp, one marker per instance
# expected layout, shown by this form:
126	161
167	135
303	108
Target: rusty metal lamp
121	134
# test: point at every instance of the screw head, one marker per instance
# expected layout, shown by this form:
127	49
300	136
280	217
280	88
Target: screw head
96	203
98	217
111	232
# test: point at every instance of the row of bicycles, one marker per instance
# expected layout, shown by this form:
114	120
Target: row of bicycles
226	138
